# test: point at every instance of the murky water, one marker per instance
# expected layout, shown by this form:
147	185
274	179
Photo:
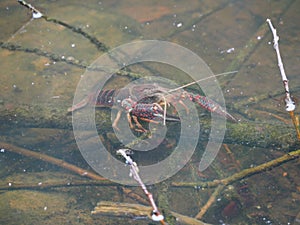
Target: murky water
40	72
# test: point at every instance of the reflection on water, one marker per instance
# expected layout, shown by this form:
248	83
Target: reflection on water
37	90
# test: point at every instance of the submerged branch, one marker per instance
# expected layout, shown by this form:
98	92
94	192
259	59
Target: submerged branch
136	211
52	160
65	165
243	133
210	201
8	186
124	211
243	174
290	104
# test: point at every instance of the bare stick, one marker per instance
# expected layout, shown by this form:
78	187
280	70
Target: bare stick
8	186
243	174
210	201
50	159
35	13
134	172
137	211
289	103
63	164
295	120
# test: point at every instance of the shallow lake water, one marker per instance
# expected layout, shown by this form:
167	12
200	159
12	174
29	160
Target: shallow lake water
44	59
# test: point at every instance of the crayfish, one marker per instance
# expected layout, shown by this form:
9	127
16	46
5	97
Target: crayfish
151	107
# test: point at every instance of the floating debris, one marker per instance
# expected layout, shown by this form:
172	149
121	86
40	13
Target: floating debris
179	25
228	51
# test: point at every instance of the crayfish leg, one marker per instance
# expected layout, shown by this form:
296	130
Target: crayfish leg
115	123
129	121
138	124
149	121
184	106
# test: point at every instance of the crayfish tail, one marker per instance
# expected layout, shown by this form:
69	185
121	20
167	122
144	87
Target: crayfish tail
81	104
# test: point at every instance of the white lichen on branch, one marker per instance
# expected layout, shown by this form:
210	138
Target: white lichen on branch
134	172
289	103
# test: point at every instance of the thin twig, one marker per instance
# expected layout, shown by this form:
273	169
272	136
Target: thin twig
210	201
289	102
285	121
231	155
50	159
8	186
63	164
243	174
295	120
134	172
235	177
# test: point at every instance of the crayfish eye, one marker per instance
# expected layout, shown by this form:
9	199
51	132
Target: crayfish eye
155	107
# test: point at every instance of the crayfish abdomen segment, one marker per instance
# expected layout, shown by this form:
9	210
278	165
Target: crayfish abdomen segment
106	98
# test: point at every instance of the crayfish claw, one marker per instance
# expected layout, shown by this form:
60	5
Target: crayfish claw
184	106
